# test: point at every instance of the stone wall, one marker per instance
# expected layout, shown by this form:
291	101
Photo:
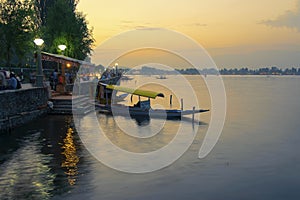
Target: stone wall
18	107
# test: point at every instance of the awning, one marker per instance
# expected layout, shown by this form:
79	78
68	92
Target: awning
64	59
139	92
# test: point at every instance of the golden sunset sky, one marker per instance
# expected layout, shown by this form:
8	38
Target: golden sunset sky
236	33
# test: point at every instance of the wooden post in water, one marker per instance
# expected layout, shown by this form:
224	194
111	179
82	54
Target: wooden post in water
171	96
106	96
193	116
181	104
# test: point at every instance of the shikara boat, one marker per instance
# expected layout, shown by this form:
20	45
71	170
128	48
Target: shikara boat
141	108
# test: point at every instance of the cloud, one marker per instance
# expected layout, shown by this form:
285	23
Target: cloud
127	22
148	28
290	19
130	25
199	24
193	24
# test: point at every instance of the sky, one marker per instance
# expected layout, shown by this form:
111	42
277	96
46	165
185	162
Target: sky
236	33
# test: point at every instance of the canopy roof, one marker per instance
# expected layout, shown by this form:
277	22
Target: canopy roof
139	92
64	59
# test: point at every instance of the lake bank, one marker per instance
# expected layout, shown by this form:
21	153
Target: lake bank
21	106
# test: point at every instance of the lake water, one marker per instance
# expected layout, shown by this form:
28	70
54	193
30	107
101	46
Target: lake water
256	157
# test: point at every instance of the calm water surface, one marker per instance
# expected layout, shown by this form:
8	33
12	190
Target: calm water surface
256	157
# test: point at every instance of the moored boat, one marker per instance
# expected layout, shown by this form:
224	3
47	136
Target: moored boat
141	108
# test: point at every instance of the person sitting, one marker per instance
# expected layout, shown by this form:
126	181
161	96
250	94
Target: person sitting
12	82
3	82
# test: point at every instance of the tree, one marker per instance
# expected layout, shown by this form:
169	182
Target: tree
18	23
63	25
41	9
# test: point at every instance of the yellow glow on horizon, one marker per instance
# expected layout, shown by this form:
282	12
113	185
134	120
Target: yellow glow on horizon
207	18
139	57
215	24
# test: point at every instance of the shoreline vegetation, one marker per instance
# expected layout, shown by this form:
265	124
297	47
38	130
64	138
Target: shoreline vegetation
192	71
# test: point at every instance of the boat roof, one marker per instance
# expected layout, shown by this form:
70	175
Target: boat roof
139	92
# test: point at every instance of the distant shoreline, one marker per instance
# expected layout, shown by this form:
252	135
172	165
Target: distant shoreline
273	71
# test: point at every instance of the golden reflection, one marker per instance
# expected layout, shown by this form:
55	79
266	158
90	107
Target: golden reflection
71	159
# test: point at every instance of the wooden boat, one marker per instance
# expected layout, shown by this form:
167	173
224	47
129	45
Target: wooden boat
155	113
161	77
141	108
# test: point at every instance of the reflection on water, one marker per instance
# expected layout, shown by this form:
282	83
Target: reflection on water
26	175
257	156
125	133
71	159
39	159
141	120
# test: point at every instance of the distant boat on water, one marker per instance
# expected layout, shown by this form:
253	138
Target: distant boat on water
161	77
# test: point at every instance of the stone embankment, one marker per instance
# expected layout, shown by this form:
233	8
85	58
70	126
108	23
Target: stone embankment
18	107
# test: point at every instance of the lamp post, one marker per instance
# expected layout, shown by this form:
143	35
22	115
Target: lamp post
116	67
39	77
62	47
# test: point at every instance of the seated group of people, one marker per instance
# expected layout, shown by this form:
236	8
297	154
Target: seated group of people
11	83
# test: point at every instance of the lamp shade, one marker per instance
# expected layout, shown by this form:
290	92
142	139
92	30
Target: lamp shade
38	41
62	47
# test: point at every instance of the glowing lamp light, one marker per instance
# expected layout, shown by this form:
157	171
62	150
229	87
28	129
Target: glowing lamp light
68	65
38	41
39	77
62	47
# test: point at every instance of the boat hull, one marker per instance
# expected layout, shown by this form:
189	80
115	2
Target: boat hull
153	113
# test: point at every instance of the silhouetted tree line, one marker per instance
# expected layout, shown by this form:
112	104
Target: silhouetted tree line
146	70
261	71
243	71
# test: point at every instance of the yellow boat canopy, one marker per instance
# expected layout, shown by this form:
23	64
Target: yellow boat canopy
139	92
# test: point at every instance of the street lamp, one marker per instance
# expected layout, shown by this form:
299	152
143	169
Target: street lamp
39	77
39	41
116	66
62	47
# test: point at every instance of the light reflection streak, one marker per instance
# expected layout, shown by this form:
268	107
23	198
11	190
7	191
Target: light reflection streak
71	158
27	174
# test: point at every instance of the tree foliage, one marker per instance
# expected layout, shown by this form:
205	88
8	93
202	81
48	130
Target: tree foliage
18	23
41	9
44	5
63	25
56	21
